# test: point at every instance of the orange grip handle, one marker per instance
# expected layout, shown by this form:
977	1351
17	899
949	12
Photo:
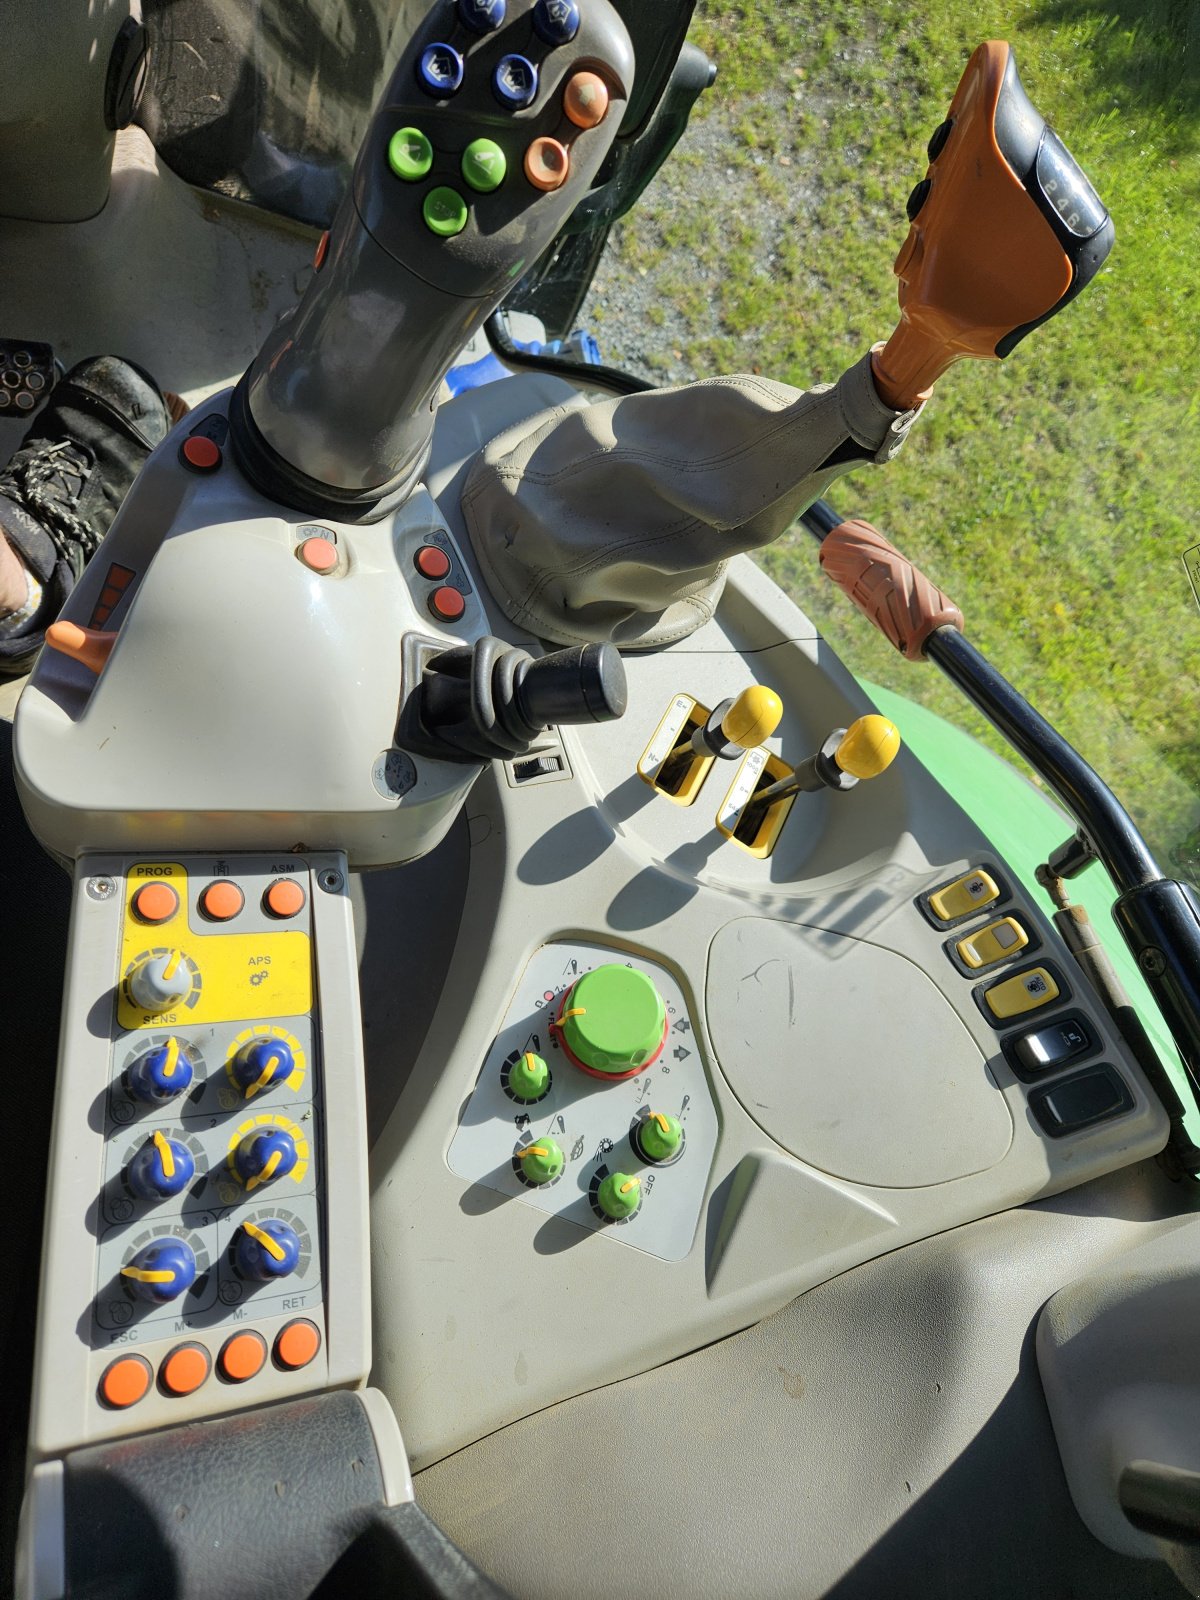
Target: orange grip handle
886	587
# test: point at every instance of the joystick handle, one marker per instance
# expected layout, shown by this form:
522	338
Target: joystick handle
491	701
481	147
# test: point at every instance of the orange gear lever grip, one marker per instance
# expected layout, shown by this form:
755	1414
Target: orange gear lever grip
886	587
1006	229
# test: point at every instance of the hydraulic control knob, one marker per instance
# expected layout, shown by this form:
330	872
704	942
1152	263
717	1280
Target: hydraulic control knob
262	1156
735	726
619	1195
849	755
161	982
528	1078
261	1063
658	1139
266	1250
612	1021
161	1271
542	1162
161	1169
161	1074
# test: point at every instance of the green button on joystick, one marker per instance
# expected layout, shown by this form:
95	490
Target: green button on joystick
483	165
541	1162
410	154
445	212
528	1078
659	1137
619	1195
613	1020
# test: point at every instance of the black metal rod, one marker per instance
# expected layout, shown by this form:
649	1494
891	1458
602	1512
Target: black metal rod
1099	813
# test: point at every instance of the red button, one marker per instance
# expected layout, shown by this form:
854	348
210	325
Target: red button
432	562
284	898
242	1357
297	1344
185	1369
155	902
318	554
222	900
125	1381
201	453
447	603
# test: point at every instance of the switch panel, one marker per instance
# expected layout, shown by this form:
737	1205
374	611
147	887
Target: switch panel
619	1133
209	1180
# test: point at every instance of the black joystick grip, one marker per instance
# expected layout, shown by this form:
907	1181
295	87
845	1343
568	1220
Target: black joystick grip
490	701
489	134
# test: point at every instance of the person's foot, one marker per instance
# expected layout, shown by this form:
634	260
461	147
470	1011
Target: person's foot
62	489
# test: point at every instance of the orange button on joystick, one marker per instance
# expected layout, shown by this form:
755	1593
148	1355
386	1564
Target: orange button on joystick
242	1357
284	898
185	1369
297	1344
222	900
547	164
585	100
155	902
125	1381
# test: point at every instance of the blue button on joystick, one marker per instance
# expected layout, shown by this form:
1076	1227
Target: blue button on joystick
515	81
440	70
266	1250
481	16
161	1074
160	1272
162	1168
260	1064
556	21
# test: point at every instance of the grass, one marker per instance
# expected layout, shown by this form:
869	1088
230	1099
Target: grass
1053	495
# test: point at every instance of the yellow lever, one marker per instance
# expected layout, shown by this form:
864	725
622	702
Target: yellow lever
868	747
752	717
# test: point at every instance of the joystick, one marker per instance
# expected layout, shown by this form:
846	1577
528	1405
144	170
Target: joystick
489	701
477	154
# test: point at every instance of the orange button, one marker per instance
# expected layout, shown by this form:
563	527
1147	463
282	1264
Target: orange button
319	554
432	562
547	164
222	900
447	603
297	1344
319	253
585	100
242	1356
125	1381
155	902
201	453
185	1369
284	898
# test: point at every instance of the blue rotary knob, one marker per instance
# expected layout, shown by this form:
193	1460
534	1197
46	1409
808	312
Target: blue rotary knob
261	1156
440	70
266	1250
515	82
161	1271
261	1063
162	1168
160	1074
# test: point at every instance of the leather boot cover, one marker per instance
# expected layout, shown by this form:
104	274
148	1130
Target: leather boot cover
615	521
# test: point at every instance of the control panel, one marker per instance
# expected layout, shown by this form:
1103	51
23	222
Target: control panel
593	1104
205	1243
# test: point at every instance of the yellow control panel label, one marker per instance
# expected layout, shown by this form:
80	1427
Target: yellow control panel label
232	975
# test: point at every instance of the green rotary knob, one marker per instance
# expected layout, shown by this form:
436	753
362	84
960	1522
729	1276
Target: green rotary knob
619	1195
613	1021
541	1162
528	1078
659	1138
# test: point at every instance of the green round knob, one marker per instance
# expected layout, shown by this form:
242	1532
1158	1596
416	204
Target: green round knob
528	1078
542	1162
659	1137
613	1020
619	1195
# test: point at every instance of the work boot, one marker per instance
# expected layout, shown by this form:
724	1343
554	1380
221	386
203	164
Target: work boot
1006	230
62	489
